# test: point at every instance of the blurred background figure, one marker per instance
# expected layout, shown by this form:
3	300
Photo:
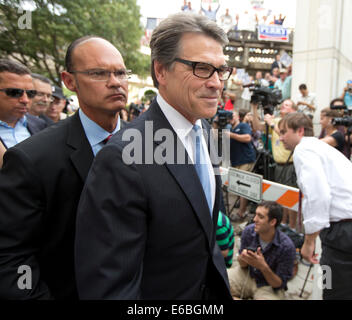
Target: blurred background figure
57	106
306	101
333	136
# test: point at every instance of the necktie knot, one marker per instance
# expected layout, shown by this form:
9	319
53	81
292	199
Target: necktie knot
196	128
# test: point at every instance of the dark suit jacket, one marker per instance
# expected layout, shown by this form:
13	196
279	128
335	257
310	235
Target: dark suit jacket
40	186
144	231
47	120
35	124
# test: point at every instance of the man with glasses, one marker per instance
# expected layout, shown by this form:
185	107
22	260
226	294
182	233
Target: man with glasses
42	177
146	229
16	94
42	99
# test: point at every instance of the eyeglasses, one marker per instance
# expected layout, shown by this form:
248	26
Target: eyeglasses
104	75
47	95
205	70
17	93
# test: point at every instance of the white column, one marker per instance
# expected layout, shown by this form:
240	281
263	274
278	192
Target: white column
322	50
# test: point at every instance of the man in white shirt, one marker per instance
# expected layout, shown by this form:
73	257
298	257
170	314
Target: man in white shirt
324	175
306	101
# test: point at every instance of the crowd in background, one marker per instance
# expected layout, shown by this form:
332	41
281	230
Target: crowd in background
235	21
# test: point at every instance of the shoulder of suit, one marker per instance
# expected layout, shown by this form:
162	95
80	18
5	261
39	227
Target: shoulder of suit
50	139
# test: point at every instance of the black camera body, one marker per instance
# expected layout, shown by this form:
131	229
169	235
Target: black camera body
344	121
224	117
266	97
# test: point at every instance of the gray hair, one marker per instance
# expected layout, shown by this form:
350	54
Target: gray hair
166	37
41	78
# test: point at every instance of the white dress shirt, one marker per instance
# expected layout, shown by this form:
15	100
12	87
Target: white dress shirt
183	129
324	176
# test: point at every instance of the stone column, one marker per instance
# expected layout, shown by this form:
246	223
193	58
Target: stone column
322	50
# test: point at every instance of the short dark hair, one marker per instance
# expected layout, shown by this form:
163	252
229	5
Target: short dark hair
11	66
298	120
302	87
332	103
242	113
275	211
72	46
40	78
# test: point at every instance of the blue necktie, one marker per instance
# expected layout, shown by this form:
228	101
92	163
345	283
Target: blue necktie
201	167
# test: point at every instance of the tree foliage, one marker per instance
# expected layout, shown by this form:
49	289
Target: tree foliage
54	24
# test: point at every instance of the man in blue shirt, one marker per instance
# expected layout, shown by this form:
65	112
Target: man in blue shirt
242	153
284	84
266	257
42	178
16	94
347	94
211	14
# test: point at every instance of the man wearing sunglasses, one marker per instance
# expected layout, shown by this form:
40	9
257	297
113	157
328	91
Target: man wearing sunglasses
16	94
146	229
42	177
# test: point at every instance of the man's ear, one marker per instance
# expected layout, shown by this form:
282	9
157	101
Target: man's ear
273	222
301	131
160	72
69	81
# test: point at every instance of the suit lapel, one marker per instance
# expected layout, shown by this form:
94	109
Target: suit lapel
82	155
185	174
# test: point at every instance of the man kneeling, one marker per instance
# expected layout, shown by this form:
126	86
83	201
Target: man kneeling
266	257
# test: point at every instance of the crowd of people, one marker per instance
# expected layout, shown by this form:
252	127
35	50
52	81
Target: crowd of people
90	224
229	21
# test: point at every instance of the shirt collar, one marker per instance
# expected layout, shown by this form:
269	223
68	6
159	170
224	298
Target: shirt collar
177	121
276	240
95	133
23	121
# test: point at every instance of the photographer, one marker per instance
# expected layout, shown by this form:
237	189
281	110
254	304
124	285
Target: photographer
242	153
284	169
333	136
266	257
347	94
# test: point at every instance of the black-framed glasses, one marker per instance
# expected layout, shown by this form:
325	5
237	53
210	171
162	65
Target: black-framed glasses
205	70
17	93
104	75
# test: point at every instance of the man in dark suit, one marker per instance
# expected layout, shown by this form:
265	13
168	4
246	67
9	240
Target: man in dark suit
146	227
16	94
42	178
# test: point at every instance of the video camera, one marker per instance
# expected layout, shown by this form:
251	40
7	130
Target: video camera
223	117
266	97
346	120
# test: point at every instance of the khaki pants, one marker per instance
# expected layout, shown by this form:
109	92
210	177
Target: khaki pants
241	283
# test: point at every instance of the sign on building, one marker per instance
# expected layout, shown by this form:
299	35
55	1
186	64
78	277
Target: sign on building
272	33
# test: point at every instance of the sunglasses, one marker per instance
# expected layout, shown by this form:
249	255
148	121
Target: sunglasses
17	93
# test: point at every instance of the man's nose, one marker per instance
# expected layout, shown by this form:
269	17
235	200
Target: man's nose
24	98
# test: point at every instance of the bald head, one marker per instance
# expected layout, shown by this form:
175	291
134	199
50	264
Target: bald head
83	44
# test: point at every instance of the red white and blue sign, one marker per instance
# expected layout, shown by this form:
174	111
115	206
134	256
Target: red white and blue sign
272	33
